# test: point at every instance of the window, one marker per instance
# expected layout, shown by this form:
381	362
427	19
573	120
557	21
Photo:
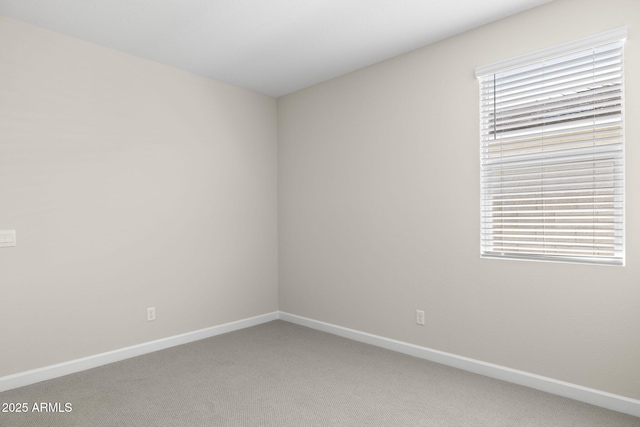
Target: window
552	154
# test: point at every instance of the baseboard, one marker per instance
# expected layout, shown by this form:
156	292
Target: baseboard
54	371
572	391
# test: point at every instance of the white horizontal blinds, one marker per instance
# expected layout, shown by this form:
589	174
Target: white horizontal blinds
552	158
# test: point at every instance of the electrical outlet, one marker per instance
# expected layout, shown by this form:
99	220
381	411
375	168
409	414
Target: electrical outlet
420	317
151	314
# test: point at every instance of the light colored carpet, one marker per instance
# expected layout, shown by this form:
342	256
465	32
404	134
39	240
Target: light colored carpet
281	374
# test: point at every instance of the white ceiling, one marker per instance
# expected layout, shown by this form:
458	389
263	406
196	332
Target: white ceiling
270	46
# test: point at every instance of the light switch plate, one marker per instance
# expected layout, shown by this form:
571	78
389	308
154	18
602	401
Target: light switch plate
7	238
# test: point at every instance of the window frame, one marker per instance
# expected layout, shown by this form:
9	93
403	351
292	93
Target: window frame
588	43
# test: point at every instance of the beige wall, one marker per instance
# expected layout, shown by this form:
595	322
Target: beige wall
379	212
130	185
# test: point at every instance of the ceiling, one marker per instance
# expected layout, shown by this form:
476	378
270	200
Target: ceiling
270	46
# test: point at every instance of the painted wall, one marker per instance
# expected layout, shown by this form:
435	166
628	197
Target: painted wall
379	212
131	185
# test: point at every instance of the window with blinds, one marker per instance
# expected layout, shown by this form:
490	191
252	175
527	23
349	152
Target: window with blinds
552	154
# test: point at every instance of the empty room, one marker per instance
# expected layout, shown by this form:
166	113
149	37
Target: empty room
320	213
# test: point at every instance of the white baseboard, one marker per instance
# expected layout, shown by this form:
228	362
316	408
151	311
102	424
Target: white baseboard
572	391
54	371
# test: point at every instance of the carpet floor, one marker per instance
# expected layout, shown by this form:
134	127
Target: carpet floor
281	374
